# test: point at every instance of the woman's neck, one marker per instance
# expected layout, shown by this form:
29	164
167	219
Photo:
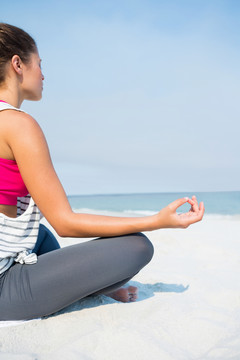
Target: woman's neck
11	95
12	100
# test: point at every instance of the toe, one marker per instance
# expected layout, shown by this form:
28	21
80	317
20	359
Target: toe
132	289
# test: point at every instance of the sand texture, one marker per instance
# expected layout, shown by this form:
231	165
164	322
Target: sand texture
188	307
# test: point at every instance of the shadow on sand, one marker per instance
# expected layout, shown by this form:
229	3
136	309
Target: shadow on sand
145	291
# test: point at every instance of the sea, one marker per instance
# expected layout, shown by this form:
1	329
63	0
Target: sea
216	203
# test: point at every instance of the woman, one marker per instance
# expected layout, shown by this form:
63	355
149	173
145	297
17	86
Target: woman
37	278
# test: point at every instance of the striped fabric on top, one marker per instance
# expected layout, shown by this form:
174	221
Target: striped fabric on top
18	235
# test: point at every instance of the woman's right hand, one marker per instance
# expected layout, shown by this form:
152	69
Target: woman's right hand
169	218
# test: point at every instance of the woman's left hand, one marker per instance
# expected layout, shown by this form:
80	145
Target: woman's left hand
169	218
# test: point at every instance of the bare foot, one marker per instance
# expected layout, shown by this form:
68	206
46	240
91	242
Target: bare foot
128	294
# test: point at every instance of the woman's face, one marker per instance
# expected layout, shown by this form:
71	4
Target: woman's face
32	79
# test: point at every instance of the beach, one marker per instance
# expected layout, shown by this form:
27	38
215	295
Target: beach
188	306
139	108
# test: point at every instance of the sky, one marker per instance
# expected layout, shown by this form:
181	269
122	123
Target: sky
139	96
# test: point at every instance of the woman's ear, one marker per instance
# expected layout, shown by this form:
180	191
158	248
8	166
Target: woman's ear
17	64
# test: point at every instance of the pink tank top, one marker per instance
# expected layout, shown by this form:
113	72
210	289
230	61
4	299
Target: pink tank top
11	182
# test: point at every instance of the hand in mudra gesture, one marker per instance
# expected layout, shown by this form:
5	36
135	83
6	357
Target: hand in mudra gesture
169	218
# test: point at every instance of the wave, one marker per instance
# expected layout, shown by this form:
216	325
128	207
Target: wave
127	212
223	203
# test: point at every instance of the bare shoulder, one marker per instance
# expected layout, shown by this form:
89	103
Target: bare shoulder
17	125
17	120
21	134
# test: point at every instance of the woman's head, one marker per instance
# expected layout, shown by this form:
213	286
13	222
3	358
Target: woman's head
14	41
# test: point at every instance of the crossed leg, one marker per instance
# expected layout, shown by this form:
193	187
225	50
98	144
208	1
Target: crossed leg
63	276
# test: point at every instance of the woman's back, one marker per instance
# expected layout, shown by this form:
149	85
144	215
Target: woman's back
10	174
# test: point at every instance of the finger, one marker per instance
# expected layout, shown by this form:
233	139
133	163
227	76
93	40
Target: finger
195	204
197	216
192	203
179	202
195	199
201	208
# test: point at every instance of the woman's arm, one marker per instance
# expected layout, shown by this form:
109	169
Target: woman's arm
96	225
27	142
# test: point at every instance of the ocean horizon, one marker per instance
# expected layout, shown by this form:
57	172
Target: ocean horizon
219	202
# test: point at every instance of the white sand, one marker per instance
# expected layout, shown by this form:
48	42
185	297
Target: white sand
188	308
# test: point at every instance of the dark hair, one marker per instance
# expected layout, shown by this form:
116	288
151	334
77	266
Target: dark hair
14	41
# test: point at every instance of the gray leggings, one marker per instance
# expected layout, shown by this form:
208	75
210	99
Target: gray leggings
64	275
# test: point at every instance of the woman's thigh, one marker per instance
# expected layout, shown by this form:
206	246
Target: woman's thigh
66	275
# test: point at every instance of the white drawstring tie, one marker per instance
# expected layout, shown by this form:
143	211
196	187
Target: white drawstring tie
27	258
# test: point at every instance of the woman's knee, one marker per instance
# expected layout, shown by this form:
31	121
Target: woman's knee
142	247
